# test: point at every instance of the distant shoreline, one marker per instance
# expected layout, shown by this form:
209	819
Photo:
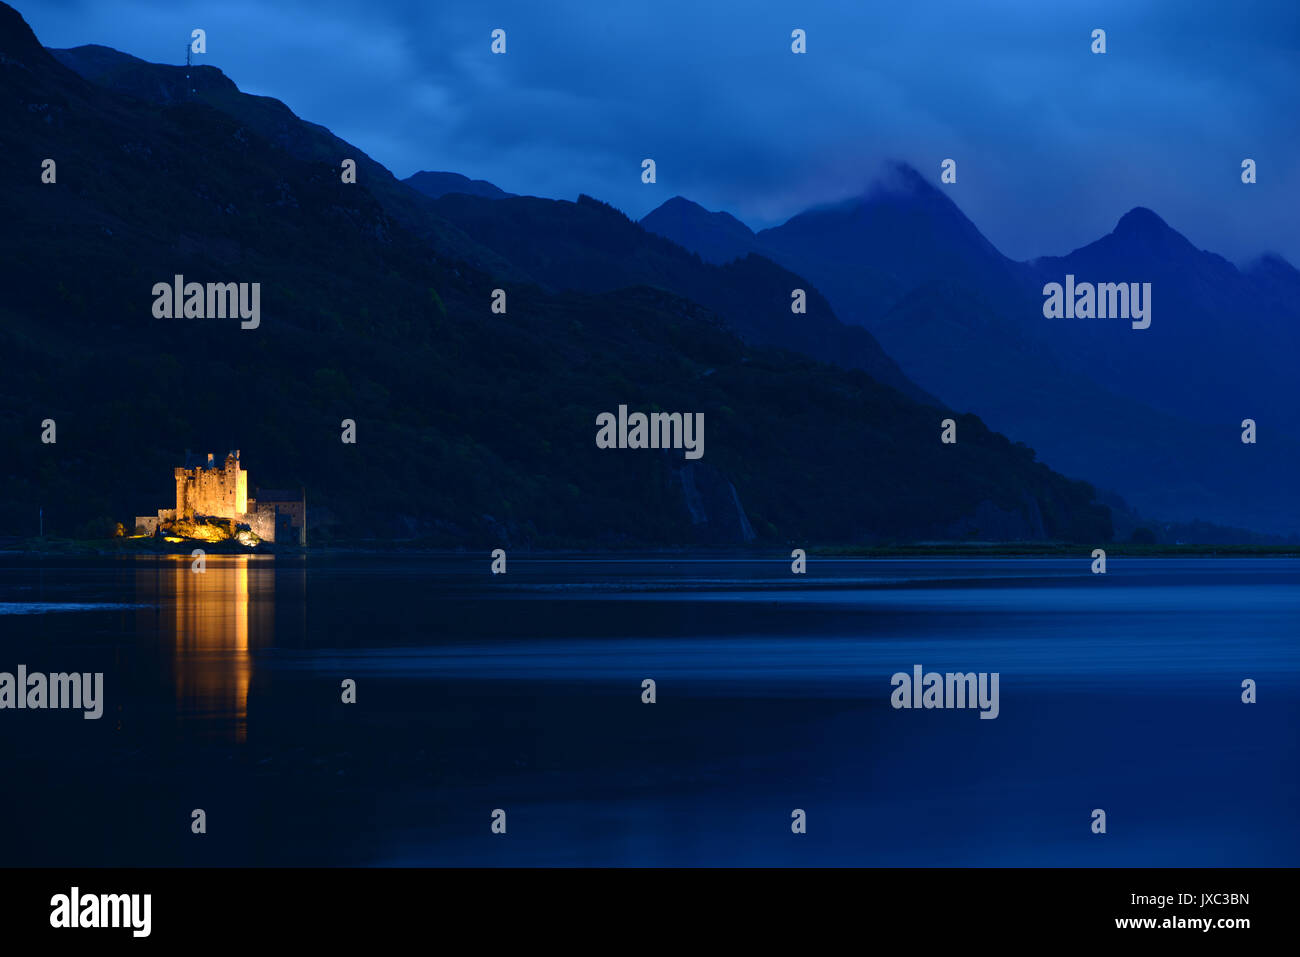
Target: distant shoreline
112	548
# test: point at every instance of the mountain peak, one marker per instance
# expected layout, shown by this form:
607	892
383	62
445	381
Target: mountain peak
717	237
680	206
436	184
899	180
1141	222
681	203
901	176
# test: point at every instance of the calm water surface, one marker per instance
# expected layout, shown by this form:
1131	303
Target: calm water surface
523	692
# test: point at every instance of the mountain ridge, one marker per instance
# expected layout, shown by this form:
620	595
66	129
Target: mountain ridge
449	224
475	429
966	323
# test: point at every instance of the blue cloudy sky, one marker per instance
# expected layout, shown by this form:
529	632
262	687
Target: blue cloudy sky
1053	143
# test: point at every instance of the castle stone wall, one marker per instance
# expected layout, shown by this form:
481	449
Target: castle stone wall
262	522
219	492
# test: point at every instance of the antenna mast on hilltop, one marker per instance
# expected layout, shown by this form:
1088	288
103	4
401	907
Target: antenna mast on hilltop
189	46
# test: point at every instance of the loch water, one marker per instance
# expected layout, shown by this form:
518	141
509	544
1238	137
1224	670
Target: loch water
524	692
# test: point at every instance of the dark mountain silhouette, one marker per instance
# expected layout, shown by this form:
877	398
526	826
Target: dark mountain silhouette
867	253
717	237
434	185
156	82
1215	351
472	428
1278	282
556	245
273	121
1154	414
591	247
900	234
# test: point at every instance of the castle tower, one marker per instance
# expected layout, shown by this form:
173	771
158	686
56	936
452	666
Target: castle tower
236	484
206	487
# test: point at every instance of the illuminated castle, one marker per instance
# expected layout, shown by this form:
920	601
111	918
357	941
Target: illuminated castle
209	489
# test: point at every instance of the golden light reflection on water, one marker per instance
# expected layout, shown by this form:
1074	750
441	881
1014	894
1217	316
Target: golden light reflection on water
212	620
